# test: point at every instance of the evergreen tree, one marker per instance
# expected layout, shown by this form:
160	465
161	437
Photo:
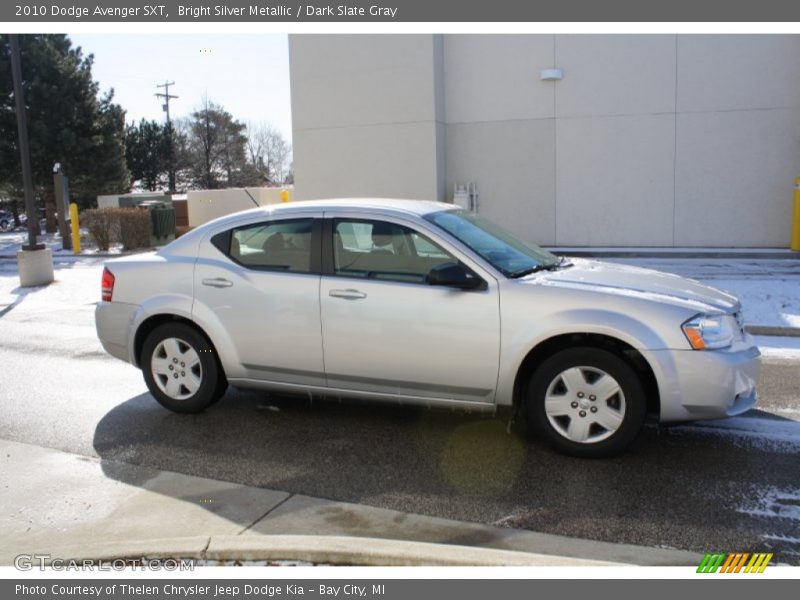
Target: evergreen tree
147	154
69	121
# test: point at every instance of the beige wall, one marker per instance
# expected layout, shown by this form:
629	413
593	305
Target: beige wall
205	205
651	140
108	201
113	200
364	115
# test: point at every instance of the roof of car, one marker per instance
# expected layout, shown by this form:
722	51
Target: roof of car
417	207
395	205
386	205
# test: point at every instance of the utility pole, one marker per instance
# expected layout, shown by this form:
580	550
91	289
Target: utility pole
34	261
167	97
24	149
61	187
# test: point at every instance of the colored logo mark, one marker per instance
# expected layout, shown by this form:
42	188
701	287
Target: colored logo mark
735	562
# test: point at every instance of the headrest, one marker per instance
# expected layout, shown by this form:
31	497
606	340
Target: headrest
273	242
382	233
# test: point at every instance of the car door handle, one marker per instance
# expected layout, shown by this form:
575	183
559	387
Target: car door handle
348	294
217	282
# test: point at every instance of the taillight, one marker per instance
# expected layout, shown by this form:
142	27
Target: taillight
107	285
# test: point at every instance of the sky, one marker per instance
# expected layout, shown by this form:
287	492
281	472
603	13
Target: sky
247	74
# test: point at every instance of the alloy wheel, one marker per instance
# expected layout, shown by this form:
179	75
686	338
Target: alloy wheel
176	368
585	405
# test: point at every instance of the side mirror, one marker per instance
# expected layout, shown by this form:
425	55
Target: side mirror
454	275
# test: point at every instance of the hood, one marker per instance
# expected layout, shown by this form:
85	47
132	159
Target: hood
634	281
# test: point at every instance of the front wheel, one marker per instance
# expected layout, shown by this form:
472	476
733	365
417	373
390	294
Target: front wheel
181	368
586	402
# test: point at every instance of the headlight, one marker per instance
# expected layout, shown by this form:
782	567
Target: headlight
709	332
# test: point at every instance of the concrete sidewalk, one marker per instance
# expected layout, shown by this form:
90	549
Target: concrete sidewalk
77	507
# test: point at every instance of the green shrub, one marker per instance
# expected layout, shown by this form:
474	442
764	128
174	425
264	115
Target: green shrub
102	224
131	226
134	228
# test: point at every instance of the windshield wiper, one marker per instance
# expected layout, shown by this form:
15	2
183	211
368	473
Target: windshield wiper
528	271
561	264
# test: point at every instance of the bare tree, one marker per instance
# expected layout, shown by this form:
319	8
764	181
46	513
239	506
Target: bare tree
268	151
216	146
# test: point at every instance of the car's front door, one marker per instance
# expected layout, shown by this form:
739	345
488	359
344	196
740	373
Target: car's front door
388	332
259	283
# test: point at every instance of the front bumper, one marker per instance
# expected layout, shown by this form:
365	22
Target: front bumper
708	384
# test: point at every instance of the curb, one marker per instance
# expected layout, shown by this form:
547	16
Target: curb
699	253
343	550
317	550
772	331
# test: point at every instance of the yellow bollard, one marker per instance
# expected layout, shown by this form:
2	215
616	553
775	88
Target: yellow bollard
796	219
76	232
284	195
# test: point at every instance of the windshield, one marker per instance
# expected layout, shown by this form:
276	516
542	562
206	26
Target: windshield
511	256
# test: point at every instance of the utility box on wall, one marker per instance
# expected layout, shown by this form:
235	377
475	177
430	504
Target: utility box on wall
465	195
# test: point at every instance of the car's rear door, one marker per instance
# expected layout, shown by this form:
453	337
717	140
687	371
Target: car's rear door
256	286
387	332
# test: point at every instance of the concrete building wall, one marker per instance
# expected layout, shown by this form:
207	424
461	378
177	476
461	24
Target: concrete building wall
365	110
651	140
737	129
206	205
117	200
501	130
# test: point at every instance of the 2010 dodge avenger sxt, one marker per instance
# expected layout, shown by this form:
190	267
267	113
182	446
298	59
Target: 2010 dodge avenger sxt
425	303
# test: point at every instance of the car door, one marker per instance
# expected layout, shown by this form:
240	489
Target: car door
258	283
386	331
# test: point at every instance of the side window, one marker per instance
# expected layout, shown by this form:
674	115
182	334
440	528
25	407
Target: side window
385	251
355	236
277	246
425	247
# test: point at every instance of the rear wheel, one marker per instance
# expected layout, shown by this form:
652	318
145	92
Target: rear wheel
181	368
586	402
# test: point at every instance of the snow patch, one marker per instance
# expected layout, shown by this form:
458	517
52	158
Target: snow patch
771	303
784	348
769	289
770	435
13	241
784	539
776	503
773	502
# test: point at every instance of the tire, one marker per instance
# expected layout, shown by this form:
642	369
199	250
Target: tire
586	402
181	368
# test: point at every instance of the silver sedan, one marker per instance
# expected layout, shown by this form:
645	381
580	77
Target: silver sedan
424	303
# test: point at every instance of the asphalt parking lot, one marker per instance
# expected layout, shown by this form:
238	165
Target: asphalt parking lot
727	486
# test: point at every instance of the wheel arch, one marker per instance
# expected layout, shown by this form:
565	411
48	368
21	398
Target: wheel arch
550	346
